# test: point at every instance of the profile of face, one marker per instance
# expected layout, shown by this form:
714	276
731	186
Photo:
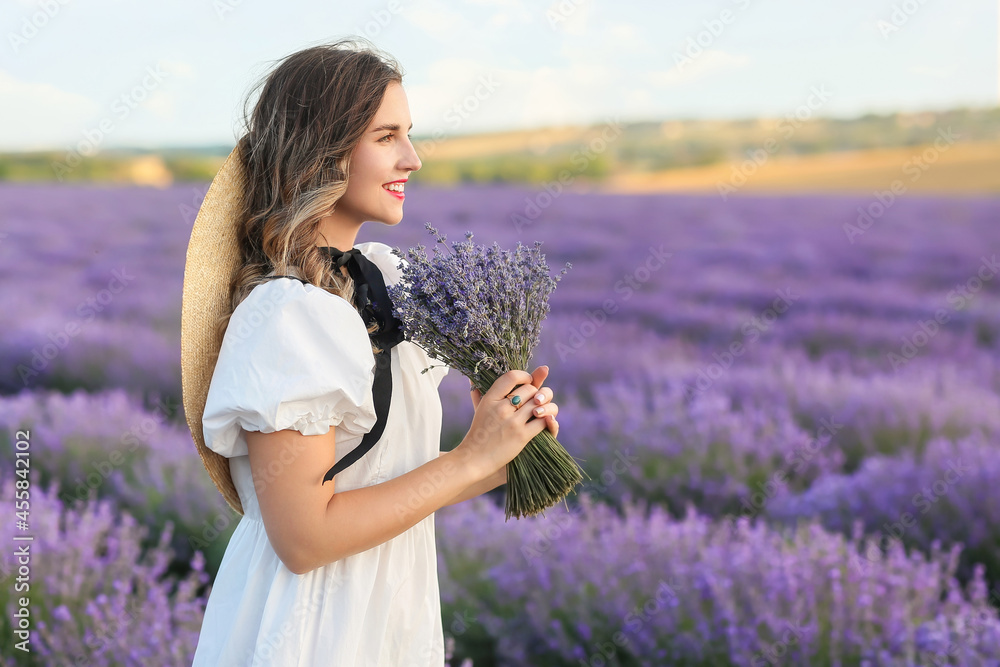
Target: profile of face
380	164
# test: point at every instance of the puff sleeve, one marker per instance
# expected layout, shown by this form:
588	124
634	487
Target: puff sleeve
293	357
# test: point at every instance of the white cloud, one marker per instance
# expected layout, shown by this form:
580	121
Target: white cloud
708	62
935	72
34	114
627	38
450	101
511	11
161	104
472	86
434	18
569	16
178	68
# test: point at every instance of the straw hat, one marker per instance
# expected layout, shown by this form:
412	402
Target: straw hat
212	259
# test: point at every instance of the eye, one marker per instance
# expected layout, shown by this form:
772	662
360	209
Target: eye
390	135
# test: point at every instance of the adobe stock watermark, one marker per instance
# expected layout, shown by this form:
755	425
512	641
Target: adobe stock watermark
958	298
290	452
703	39
88	309
924	500
752	329
224	8
139	434
458	113
757	158
914	167
622	462
458	625
121	108
796	461
595	318
189	211
213	527
580	159
379	20
108	634
775	652
561	12
272	646
604	652
416	499
900	16
547	531
969	634
32	25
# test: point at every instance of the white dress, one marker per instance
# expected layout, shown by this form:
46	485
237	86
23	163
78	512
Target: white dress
297	357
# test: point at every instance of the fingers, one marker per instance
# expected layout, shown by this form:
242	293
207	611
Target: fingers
538	375
524	394
540	397
547	418
546	409
506	383
535	399
551	423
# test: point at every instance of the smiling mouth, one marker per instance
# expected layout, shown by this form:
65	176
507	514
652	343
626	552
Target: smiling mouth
395	189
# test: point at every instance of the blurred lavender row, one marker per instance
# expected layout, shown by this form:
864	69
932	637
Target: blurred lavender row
97	597
107	264
595	588
105	445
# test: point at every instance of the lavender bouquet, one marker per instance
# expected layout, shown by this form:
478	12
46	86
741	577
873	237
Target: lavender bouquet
480	310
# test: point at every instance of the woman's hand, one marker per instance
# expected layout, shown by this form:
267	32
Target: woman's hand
537	377
501	429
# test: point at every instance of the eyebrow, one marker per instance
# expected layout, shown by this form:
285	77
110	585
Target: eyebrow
394	127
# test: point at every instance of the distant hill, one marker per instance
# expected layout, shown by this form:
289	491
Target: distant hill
789	154
964	168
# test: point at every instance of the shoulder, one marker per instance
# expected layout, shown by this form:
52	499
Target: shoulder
385	258
287	303
286	290
294	356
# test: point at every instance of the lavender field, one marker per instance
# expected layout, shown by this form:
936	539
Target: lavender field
789	409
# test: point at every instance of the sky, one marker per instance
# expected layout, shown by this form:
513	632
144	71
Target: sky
111	73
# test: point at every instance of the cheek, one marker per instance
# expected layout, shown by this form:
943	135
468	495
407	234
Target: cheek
363	165
361	184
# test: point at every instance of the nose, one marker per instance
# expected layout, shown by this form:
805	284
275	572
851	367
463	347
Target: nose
410	160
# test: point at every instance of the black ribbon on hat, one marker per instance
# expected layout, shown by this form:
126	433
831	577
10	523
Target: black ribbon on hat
373	303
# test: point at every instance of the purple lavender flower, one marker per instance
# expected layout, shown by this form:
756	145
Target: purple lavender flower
97	597
650	589
480	310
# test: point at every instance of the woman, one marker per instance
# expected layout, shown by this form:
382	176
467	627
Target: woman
329	566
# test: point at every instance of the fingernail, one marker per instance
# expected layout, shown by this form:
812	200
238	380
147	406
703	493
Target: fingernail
540	410
539	398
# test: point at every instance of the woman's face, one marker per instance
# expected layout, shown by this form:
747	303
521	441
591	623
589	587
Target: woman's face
383	156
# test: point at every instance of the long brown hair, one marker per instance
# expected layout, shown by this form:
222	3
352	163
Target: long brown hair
313	109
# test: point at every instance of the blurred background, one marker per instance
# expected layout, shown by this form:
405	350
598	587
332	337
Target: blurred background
775	354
